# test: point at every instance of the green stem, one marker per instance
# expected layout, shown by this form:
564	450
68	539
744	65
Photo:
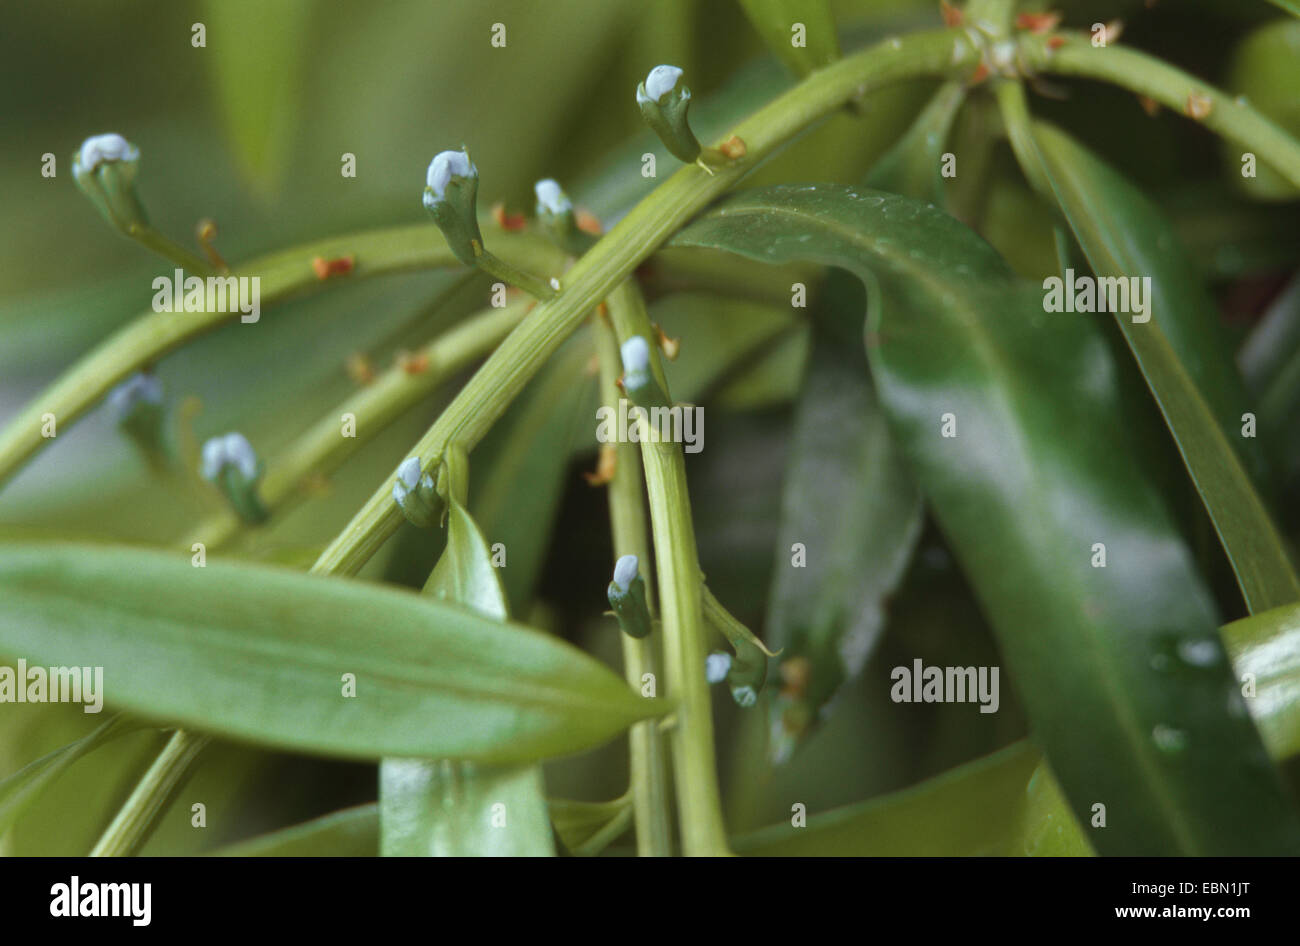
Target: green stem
490	391
135	821
648	771
513	276
283	274
685	648
169	249
322	448
1229	117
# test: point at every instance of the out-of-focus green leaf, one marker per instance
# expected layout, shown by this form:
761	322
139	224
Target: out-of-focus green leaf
783	23
1120	668
971	810
853	509
913	165
263	655
1270	360
1047	827
457	809
25	786
255	52
519	468
1267	355
353	832
1265	650
586	827
1265	68
1183	357
1290	6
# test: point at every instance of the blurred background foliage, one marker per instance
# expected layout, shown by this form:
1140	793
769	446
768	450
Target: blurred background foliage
250	130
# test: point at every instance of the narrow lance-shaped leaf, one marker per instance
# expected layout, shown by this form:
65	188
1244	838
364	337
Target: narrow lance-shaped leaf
271	656
353	832
1186	364
448	808
24	787
914	165
850	517
1120	668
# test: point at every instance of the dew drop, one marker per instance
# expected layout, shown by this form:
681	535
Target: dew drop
1168	739
1202	653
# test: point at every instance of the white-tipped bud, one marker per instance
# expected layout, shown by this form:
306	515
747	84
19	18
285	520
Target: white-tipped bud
233	449
140	388
214	456
409	472
240	452
442	169
716	667
659	83
625	572
551	198
98	149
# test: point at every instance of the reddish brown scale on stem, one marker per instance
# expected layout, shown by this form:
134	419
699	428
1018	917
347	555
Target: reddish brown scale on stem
606	465
505	221
339	266
1038	23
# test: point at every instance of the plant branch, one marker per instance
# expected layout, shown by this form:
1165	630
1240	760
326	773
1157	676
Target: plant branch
322	448
135	821
486	396
1232	118
685	647
283	274
648	772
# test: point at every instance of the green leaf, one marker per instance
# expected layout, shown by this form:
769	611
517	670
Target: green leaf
1184	359
1120	663
255	51
457	809
25	786
849	500
1047	827
1265	650
519	469
969	811
913	165
587	827
1265	70
353	832
779	22
259	654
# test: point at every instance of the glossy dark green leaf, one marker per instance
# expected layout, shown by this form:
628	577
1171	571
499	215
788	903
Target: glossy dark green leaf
457	809
1120	668
782	23
1182	355
850	517
260	654
969	811
353	832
